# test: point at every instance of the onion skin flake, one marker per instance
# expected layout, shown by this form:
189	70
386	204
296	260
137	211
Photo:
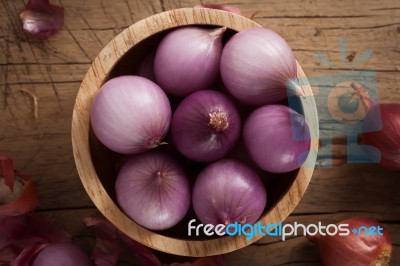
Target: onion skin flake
17	191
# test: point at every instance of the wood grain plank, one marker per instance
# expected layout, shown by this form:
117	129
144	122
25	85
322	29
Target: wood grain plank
53	68
304	8
42	147
25	73
333	190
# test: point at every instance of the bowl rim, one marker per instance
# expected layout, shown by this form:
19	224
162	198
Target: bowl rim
96	76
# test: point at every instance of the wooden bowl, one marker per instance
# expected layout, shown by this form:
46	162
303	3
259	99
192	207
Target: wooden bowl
93	161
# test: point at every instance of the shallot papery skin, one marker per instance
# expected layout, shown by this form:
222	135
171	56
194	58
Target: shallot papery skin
205	126
107	250
277	138
130	114
7	171
152	189
228	191
355	249
42	19
108	245
17	191
22	200
65	254
187	60
258	67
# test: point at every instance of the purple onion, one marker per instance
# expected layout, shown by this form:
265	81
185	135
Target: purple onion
187	60
130	114
153	190
277	138
205	126
256	66
42	19
228	191
64	254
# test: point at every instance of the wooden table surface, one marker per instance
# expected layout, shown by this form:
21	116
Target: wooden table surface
52	69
